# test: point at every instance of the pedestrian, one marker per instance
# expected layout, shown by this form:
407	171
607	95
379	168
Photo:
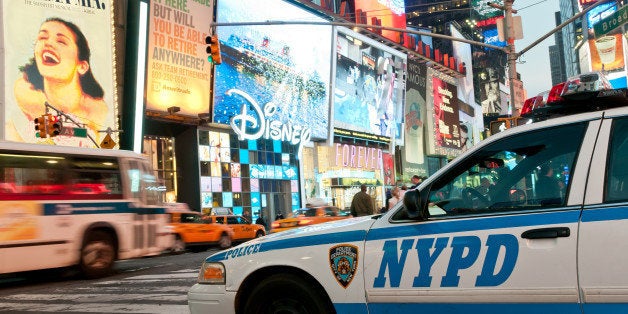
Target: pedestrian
395	198
416	180
362	203
260	220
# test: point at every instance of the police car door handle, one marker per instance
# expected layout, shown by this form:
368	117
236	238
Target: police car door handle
545	233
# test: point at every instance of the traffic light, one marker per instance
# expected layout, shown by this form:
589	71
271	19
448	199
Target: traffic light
213	49
54	126
40	126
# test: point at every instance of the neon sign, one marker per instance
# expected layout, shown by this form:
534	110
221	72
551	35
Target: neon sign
255	124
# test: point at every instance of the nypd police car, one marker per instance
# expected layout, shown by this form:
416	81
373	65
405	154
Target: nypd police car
531	220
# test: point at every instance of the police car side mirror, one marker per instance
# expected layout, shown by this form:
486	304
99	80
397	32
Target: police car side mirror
412	203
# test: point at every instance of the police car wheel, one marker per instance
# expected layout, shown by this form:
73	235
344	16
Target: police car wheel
287	293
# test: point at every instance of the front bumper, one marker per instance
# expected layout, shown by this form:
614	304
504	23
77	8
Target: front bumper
210	299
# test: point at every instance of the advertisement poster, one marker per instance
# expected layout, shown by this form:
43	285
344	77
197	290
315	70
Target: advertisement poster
61	54
369	93
489	92
607	53
287	66
178	72
446	122
444	133
484	11
415	116
389	169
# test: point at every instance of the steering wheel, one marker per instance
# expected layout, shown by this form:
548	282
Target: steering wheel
470	195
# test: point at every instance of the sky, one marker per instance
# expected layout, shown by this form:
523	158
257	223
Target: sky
537	19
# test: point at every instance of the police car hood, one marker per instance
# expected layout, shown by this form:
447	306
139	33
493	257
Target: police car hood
350	229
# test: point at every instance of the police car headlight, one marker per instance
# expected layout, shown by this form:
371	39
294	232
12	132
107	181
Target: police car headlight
212	273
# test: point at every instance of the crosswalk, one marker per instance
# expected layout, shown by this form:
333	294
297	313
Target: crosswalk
163	293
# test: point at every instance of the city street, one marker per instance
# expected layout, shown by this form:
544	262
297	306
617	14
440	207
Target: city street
148	285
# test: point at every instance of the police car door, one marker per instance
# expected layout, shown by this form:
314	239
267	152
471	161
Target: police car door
500	249
603	245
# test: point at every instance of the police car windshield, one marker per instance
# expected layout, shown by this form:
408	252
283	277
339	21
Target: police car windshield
526	171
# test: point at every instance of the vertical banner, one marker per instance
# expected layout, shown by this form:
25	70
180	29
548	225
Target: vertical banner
60	53
178	72
415	113
446	123
389	169
444	132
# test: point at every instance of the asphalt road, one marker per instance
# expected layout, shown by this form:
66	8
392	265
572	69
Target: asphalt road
147	285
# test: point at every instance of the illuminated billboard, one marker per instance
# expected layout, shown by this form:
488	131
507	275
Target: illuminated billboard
444	133
600	12
59	53
178	73
491	37
369	88
391	13
413	160
287	66
607	51
484	11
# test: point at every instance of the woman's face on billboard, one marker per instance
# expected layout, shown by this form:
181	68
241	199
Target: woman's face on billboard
56	52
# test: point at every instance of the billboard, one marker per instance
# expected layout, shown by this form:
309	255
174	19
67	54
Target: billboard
489	92
472	120
60	53
606	51
484	11
413	160
391	13
369	86
444	133
178	73
287	66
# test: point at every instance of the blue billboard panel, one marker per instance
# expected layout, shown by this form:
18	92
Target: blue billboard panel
286	65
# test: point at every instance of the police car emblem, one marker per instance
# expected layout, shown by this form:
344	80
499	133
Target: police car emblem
343	260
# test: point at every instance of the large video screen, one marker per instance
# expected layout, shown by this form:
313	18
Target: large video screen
369	87
287	65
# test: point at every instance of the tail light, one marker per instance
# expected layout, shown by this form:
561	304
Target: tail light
555	93
527	106
274	225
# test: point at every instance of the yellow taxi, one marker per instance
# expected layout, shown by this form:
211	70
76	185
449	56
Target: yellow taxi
307	216
243	229
195	234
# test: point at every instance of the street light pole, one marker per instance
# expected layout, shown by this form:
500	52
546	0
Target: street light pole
511	54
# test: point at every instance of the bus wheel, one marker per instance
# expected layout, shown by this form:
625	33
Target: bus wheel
296	296
179	246
225	241
97	255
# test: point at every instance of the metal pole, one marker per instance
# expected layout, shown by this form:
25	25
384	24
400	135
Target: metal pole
512	54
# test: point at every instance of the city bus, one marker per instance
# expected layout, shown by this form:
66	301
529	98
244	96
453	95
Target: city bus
75	207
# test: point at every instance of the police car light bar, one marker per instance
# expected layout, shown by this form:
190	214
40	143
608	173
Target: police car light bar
582	102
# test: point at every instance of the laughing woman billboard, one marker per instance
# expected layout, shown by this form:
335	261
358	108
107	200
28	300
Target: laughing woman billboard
59	56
